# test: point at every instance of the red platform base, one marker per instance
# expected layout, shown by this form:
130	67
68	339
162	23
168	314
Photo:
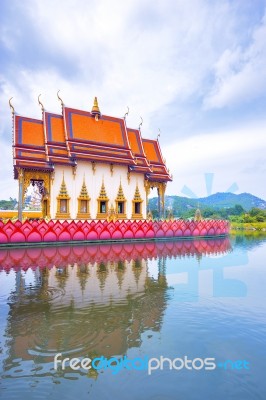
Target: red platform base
84	231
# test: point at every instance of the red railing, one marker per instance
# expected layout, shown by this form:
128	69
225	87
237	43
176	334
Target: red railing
56	231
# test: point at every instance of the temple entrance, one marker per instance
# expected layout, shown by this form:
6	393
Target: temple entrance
35	198
38	196
160	186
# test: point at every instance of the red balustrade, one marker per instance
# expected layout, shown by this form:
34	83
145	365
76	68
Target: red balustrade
56	231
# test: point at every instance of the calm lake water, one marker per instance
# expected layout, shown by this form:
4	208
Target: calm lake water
185	301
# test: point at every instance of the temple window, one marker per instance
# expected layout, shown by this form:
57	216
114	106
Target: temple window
103	207
121	203
63	202
63	206
83	203
102	203
137	205
137	208
83	206
120	207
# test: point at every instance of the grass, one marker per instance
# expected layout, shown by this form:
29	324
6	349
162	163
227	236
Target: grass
248	226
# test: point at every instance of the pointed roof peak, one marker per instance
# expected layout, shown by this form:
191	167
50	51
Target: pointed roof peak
103	194
137	196
120	194
84	192
95	109
63	189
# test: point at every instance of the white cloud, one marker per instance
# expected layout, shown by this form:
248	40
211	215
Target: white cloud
233	156
240	73
124	54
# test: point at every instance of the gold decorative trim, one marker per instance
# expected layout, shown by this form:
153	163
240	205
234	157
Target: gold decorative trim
52	176
103	198
96	110
137	200
198	216
120	198
63	195
161	187
84	197
112	214
26	176
149	216
170	215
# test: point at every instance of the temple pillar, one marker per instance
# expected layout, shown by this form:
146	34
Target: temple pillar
147	189
161	199
159	203
20	193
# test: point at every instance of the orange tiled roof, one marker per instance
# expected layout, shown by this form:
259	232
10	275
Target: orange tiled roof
55	137
29	143
104	140
154	157
136	145
62	139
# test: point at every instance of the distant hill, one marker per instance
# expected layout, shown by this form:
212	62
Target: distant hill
216	201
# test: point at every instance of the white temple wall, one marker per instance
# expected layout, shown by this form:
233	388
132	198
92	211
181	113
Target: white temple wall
92	291
93	180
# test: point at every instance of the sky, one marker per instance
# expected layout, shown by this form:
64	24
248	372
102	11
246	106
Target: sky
195	70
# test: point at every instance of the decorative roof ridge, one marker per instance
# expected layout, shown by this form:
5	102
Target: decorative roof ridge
65	131
99	144
140	138
90	114
156	143
29	118
150	140
44	130
53	113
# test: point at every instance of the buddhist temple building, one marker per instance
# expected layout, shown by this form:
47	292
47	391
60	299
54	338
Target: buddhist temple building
87	165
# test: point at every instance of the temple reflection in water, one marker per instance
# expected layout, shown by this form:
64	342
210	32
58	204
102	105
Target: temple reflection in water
89	300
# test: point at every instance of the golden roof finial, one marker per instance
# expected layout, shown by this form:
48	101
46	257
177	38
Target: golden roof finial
159	134
11	106
95	109
61	101
39	101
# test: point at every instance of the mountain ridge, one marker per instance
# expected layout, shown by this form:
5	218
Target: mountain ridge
219	200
